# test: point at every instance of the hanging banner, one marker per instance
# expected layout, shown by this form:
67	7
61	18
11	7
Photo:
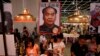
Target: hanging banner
8	17
95	17
49	17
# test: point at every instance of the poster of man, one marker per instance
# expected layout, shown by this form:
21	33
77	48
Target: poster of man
49	17
95	17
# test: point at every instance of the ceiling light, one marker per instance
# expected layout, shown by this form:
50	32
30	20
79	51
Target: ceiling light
25	16
77	17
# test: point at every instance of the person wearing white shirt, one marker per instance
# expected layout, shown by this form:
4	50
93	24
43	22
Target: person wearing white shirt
58	47
42	38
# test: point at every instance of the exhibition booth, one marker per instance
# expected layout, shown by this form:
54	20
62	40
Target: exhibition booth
33	19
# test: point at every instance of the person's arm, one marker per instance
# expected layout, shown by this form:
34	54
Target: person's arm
27	52
38	49
63	47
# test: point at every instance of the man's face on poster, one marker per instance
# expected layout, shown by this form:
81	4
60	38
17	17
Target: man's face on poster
49	16
97	8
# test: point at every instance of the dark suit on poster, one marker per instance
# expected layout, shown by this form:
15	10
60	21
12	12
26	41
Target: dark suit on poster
46	29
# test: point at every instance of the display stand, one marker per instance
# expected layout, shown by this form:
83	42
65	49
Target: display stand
10	45
2	51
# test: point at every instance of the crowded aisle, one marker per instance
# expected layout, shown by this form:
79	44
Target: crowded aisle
49	28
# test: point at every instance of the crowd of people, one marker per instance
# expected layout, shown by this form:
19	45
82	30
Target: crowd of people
87	45
54	45
39	45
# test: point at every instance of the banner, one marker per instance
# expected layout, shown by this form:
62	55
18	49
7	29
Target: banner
49	17
8	17
95	17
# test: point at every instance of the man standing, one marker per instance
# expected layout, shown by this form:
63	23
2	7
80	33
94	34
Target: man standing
49	17
79	48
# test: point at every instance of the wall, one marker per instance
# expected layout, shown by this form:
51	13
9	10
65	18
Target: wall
31	5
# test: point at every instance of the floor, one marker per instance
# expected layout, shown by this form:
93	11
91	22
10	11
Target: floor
67	50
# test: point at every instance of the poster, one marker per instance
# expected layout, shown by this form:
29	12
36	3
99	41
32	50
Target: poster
95	17
49	16
8	17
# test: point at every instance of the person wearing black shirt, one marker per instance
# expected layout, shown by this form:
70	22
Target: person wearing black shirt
17	35
79	48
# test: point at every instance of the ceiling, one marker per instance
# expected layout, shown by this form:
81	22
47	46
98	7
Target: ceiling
68	6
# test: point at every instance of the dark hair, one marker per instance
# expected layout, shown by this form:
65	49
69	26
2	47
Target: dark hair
60	36
44	10
55	38
28	41
16	30
82	37
24	27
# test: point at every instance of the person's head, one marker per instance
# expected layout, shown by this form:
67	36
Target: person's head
49	15
24	28
93	38
82	39
46	52
29	42
59	37
44	41
52	39
16	30
92	47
